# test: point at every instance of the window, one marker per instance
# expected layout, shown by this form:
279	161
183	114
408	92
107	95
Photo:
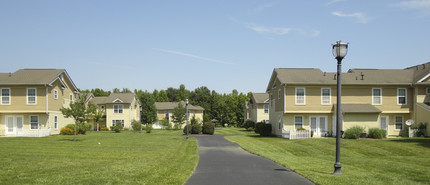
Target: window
114	122
428	90
326	96
55	94
166	115
117	109
56	122
300	96
401	96
34	122
298	122
279	94
271	100
71	98
376	96
103	107
5	96
399	123
31	96
266	109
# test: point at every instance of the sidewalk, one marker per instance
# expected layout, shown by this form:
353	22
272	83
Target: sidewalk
223	162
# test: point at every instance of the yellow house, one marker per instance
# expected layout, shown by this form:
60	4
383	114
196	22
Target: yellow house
30	102
257	108
118	107
164	110
371	98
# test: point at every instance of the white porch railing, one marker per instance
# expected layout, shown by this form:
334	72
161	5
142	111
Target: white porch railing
35	133
299	134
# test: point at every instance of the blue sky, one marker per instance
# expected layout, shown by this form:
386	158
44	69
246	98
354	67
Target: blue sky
221	44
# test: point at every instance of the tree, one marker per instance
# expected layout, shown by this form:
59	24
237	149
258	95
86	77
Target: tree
149	111
79	112
179	115
202	97
98	116
100	92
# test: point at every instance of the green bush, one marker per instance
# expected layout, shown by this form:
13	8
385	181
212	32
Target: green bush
258	127
196	129
148	128
136	125
249	124
117	128
421	129
265	130
301	128
353	132
208	128
377	133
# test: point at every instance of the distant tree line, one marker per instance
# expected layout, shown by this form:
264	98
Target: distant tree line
224	108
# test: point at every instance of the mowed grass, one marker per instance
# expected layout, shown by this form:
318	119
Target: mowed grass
120	158
232	130
364	161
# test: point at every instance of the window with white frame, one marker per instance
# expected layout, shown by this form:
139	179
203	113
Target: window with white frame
34	122
428	90
298	122
55	94
279	94
31	96
325	96
300	96
377	96
166	115
117	109
266	109
114	122
71	98
5	96
401	96
398	123
55	122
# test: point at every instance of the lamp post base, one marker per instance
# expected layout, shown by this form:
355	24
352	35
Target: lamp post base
337	168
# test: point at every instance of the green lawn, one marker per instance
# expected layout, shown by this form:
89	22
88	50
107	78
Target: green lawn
232	130
120	158
364	161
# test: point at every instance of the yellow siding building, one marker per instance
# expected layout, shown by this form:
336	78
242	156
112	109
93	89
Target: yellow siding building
371	98
257	108
30	102
164	111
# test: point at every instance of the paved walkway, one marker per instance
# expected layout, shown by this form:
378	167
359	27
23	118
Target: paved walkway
223	162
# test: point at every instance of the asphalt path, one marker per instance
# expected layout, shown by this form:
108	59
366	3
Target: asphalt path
223	162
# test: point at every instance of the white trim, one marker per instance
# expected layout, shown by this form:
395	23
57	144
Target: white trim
387	122
304	95
427	90
38	122
305	111
55	122
373	97
295	121
71	98
406	96
117	101
1	96
35	96
395	119
119	105
264	109
322	96
318	129
425	77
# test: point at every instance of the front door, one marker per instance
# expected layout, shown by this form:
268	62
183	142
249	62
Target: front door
14	125
318	125
384	123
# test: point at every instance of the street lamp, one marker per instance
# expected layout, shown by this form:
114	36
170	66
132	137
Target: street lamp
186	112
339	51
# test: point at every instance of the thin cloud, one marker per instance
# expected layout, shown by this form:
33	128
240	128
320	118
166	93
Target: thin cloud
361	17
193	56
263	7
279	30
334	1
414	4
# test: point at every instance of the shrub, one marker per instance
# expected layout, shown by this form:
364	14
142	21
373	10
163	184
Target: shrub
299	129
136	125
185	129
67	131
265	129
103	128
208	128
353	132
117	128
148	128
421	129
196	129
249	124
258	127
165	123
377	133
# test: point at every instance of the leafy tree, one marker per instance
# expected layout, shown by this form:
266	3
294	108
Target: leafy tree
116	90
202	97
100	92
160	96
179	115
149	111
98	116
79	112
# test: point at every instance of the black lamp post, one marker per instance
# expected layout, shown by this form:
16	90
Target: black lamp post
339	51
186	112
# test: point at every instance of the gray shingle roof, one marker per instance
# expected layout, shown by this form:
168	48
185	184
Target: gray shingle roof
260	97
359	108
172	105
114	98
